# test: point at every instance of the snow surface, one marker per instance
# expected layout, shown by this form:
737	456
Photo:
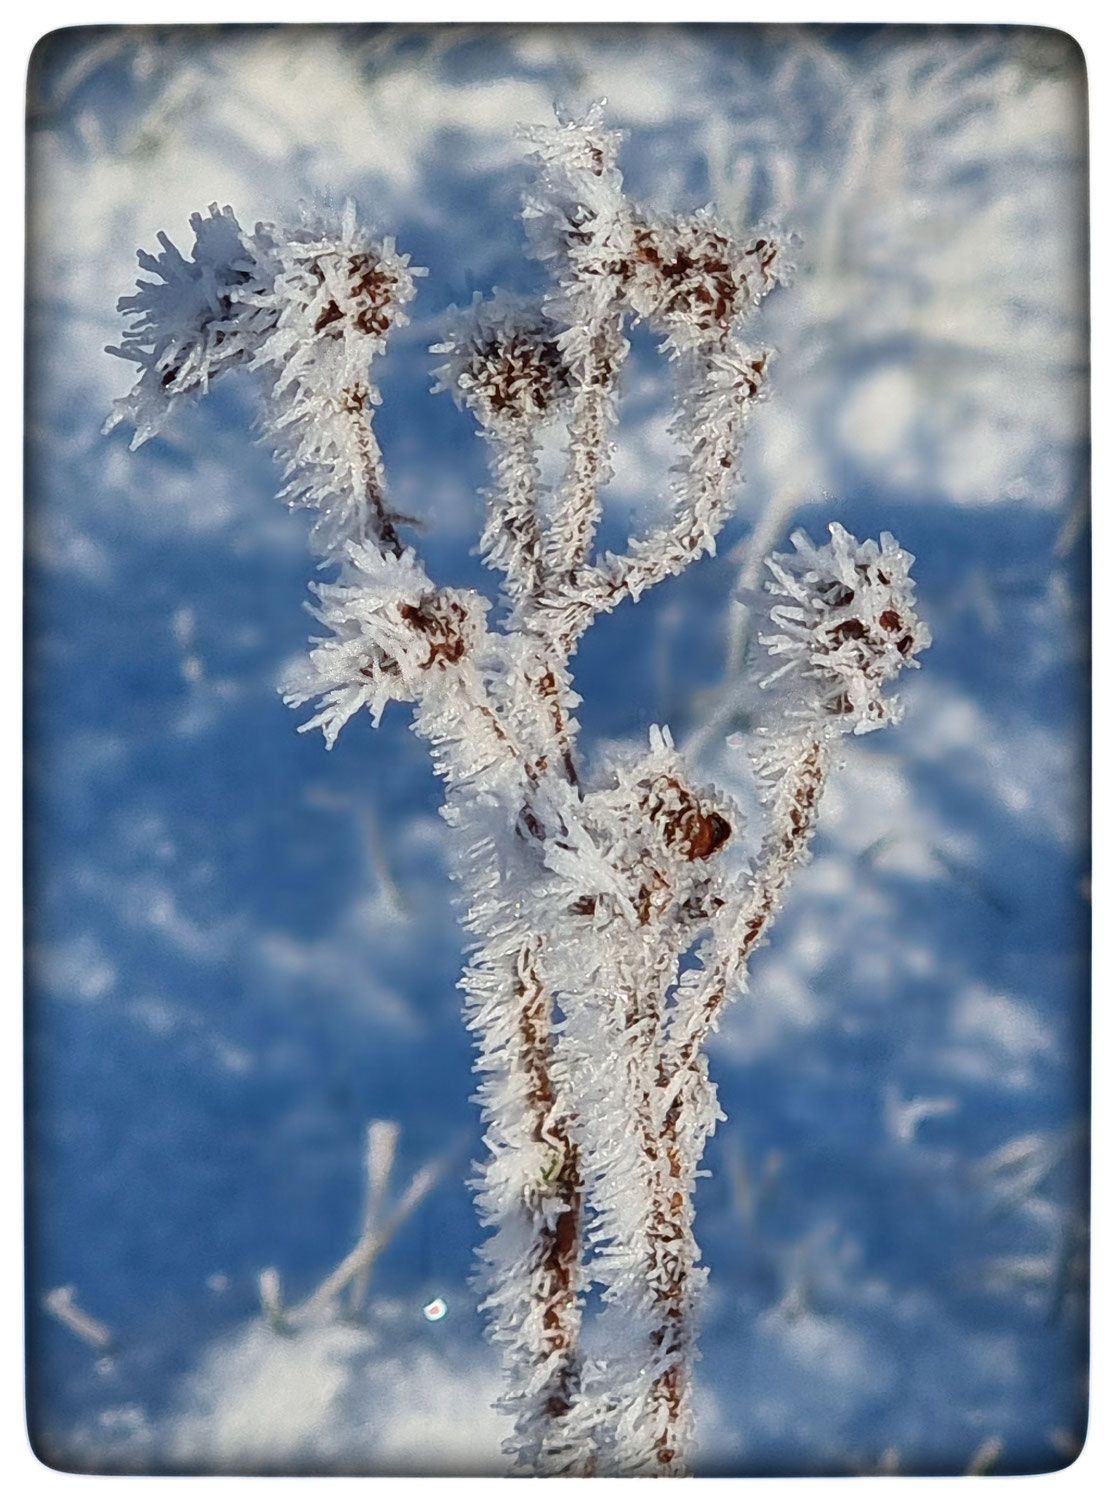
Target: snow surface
242	949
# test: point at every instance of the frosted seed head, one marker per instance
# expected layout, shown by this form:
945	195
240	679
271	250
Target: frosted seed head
333	282
504	363
841	623
696	280
391	636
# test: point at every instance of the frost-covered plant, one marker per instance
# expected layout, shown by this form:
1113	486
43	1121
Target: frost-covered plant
613	912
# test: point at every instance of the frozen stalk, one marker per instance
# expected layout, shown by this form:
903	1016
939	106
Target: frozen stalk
612	914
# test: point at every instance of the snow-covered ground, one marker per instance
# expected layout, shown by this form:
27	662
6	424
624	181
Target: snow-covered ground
242	949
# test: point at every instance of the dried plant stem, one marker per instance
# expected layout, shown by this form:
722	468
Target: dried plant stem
379	1155
534	1278
718	409
355	1269
558	1229
668	1252
585	893
369	466
512	538
574	526
740	927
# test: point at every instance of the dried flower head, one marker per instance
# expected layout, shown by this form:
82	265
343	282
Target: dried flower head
339	282
845	625
692	278
504	362
388	630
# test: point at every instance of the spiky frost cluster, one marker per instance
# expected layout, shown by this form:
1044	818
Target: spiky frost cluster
611	915
504	362
387	630
635	850
189	326
333	295
846	627
310	309
684	274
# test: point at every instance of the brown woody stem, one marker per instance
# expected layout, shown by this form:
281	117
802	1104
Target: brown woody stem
782	850
557	1240
354	402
